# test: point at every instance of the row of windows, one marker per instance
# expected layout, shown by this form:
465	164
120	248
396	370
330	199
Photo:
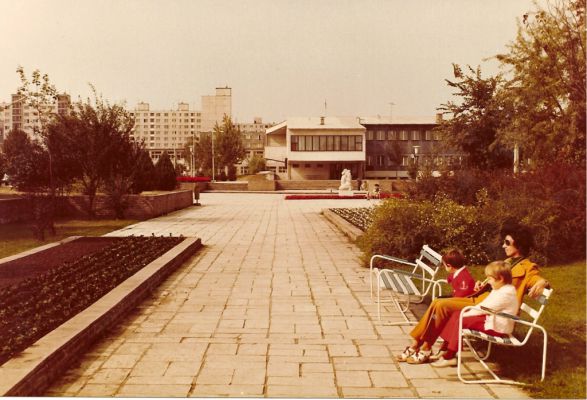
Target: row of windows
326	143
138	114
383	161
403	135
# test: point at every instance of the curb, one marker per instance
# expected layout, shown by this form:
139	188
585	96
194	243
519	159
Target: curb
37	367
343	225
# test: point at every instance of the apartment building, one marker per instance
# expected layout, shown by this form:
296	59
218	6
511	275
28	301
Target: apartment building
17	114
169	130
253	135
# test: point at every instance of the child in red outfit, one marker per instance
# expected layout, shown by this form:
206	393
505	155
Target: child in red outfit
459	276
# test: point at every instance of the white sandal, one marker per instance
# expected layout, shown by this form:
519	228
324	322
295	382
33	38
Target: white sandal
408	352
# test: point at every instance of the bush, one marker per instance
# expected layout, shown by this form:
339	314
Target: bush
231	173
549	200
401	227
165	173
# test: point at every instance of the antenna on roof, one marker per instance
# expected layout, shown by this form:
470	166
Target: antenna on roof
325	108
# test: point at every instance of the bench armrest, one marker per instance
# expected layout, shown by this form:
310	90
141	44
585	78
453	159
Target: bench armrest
392	259
500	313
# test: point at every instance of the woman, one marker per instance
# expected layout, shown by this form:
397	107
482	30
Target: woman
525	278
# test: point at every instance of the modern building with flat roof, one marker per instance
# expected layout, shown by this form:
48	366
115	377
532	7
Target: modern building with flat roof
316	147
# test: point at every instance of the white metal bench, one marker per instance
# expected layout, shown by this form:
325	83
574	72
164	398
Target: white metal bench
466	334
412	286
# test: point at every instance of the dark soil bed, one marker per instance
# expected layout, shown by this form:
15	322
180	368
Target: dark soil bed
67	283
17	270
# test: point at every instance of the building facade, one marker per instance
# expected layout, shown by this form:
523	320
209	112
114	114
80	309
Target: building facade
370	147
316	147
19	115
253	135
169	130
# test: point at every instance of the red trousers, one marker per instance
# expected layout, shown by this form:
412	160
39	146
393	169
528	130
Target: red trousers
450	333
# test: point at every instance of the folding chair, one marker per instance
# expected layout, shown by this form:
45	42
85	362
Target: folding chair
510	340
417	284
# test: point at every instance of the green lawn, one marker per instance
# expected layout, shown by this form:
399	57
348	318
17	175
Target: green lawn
18	237
564	320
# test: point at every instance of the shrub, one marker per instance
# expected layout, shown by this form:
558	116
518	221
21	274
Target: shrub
231	173
165	173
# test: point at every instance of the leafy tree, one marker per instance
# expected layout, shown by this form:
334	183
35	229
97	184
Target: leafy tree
394	152
119	182
476	119
165	173
228	143
203	154
256	164
144	178
547	91
96	135
2	166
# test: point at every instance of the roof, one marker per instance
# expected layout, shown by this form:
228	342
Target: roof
399	120
338	123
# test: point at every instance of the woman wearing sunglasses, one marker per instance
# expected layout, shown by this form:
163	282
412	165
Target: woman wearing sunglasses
525	278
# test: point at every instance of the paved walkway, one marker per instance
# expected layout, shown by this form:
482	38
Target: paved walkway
275	305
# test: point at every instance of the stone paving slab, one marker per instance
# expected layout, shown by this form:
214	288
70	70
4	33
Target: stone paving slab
276	304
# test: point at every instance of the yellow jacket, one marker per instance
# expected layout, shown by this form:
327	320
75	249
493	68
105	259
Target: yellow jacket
525	274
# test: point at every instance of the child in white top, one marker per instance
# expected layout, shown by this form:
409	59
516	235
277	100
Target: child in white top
501	299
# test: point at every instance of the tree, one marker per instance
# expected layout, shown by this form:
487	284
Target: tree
144	178
2	166
476	119
121	177
27	162
228	143
256	164
165	173
547	91
203	154
96	135
394	153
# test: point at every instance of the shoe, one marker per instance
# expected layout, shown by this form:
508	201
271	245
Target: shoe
421	357
438	355
405	354
443	362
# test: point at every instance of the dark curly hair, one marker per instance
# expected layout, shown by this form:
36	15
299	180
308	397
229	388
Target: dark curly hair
522	235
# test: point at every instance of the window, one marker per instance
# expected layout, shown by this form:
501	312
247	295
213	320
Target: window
405	161
282	170
403	135
329	143
429	135
295	165
358	143
337	143
344	143
302	145
369	160
391	135
315	143
380	135
307	165
369	135
351	143
381	160
294	143
322	143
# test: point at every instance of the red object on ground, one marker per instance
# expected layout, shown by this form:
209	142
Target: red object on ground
319	196
193	179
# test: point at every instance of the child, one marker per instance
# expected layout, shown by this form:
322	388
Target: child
459	276
501	299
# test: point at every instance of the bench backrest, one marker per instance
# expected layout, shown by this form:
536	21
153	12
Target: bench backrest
429	261
535	313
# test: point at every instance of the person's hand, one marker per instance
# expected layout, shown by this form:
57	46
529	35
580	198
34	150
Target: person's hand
478	285
537	289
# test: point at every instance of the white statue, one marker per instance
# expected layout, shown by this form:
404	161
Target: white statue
345	180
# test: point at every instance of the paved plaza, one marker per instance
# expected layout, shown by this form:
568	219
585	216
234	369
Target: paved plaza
276	304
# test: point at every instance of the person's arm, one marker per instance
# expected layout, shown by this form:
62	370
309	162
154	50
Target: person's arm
535	281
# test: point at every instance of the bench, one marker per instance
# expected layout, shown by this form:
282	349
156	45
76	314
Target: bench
406	286
531	324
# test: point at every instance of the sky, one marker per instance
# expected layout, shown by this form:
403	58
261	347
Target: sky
281	58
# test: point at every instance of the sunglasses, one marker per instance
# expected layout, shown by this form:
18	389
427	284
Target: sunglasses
507	242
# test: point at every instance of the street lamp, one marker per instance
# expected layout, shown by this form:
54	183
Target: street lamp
213	172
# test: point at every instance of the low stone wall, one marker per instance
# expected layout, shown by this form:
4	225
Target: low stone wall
311	184
141	207
234	185
261	185
30	373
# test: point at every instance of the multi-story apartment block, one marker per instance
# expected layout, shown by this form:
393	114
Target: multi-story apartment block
253	135
19	115
169	130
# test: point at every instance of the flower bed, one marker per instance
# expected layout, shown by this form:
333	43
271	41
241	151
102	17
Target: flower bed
37	305
319	196
359	217
193	179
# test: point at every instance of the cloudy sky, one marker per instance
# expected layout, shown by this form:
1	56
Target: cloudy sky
281	58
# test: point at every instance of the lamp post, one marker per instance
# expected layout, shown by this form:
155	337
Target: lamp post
193	170
415	155
213	172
